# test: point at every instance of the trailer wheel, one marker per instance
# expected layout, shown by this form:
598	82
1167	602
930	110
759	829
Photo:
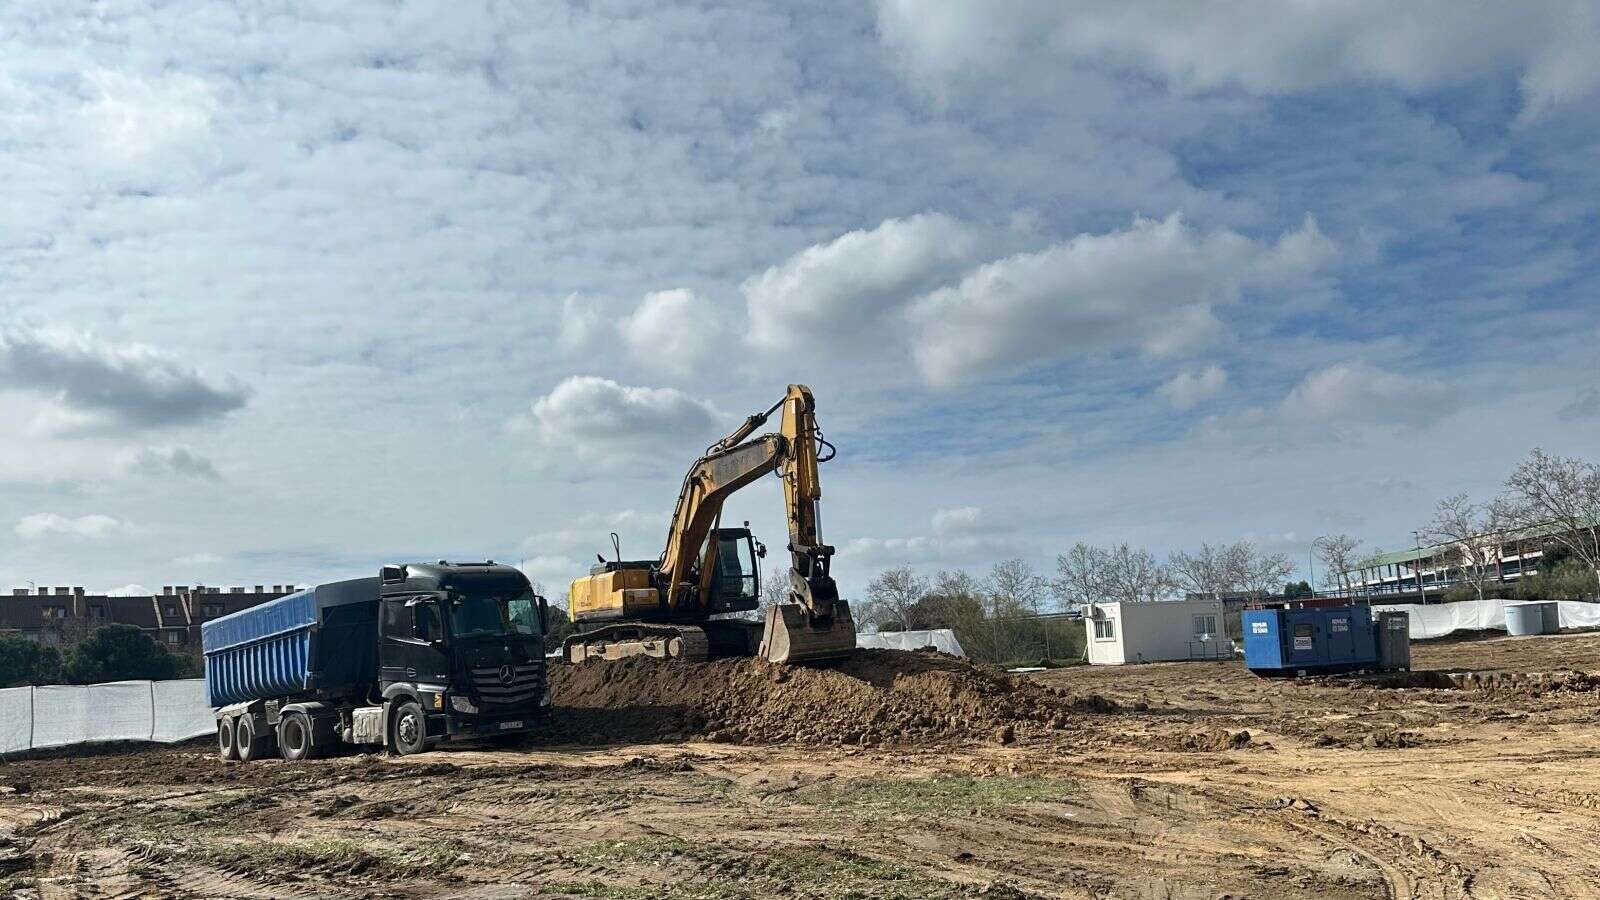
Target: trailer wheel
226	748
251	746
294	737
408	733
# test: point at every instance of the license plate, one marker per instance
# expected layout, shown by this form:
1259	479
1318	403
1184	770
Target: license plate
506	726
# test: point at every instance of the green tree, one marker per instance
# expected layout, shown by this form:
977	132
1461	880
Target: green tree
25	662
120	653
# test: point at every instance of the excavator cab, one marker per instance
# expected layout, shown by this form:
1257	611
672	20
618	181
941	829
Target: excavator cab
730	557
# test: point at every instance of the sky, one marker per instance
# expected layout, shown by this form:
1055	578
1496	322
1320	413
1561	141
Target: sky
291	290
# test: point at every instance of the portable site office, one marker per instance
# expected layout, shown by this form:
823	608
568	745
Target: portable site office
1156	631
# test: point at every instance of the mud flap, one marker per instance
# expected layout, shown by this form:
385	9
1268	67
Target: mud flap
789	636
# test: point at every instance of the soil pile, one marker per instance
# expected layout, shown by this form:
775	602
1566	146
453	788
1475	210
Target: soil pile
871	698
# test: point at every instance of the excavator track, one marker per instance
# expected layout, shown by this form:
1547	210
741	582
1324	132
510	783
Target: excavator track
676	642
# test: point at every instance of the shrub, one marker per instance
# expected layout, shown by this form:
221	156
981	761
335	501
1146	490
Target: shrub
119	653
25	662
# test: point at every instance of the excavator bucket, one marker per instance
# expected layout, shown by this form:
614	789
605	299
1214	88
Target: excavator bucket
789	636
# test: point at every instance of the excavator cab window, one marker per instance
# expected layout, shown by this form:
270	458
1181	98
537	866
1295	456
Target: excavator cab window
738	579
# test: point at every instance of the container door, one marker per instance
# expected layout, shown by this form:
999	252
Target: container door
1263	639
1341	636
1305	643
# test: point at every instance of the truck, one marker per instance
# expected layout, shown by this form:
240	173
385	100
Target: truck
422	654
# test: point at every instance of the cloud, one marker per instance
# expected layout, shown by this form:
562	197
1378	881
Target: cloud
1187	389
957	520
671	330
581	320
197	560
129	590
181	462
103	386
1154	286
1264	46
1359	393
42	525
134	116
843	293
588	415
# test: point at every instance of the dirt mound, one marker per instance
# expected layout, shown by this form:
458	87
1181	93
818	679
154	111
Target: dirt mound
1206	740
871	698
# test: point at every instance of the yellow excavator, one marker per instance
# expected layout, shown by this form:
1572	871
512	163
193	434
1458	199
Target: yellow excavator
683	605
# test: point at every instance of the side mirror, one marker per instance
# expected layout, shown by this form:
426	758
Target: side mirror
544	614
761	550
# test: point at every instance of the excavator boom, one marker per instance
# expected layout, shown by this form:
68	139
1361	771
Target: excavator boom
667	608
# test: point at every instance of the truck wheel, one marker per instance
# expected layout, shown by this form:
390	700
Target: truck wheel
251	746
294	737
409	732
226	748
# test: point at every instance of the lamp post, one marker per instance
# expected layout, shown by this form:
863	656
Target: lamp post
1416	537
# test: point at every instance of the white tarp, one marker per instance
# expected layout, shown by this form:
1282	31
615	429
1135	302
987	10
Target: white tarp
1440	619
941	639
59	714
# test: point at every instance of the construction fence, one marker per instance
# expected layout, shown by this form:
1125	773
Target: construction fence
1440	619
57	715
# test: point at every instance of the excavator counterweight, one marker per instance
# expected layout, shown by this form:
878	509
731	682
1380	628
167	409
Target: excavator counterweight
674	607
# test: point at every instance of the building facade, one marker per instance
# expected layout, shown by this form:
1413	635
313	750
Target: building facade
1156	631
64	615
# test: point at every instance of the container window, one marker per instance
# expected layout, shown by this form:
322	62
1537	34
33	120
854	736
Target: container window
1105	630
1205	627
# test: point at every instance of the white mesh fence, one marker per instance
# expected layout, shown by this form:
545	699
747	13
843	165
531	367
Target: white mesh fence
1440	619
58	715
942	639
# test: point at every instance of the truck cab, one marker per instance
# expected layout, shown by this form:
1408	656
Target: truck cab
465	642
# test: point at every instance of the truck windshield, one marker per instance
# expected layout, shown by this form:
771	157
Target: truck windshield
494	615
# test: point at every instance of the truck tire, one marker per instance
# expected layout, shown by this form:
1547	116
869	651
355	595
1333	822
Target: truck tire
226	748
408	731
251	746
295	737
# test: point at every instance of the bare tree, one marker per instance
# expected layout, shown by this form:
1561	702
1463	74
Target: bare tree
1262	573
1338	555
1210	571
1015	581
895	592
1562	492
1079	573
1136	576
1469	537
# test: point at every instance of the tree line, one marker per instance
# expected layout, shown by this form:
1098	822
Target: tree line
106	653
1548	503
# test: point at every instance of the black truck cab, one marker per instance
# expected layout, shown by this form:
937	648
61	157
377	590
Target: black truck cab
460	652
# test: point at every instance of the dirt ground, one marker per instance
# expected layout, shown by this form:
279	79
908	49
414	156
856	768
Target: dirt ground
1191	780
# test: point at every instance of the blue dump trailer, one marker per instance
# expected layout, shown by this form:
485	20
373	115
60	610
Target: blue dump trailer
1311	640
421	654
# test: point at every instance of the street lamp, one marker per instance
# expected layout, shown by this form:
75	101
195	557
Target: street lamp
1416	537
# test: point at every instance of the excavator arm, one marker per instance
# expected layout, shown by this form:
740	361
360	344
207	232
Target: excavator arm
815	623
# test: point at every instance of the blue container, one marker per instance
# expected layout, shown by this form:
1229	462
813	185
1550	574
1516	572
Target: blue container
322	641
1309	641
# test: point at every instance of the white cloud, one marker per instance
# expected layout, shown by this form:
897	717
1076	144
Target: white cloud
42	525
129	590
954	521
1265	46
1153	286
1347	393
554	574
842	293
1187	389
106	386
671	330
134	116
587	415
197	560
581	318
